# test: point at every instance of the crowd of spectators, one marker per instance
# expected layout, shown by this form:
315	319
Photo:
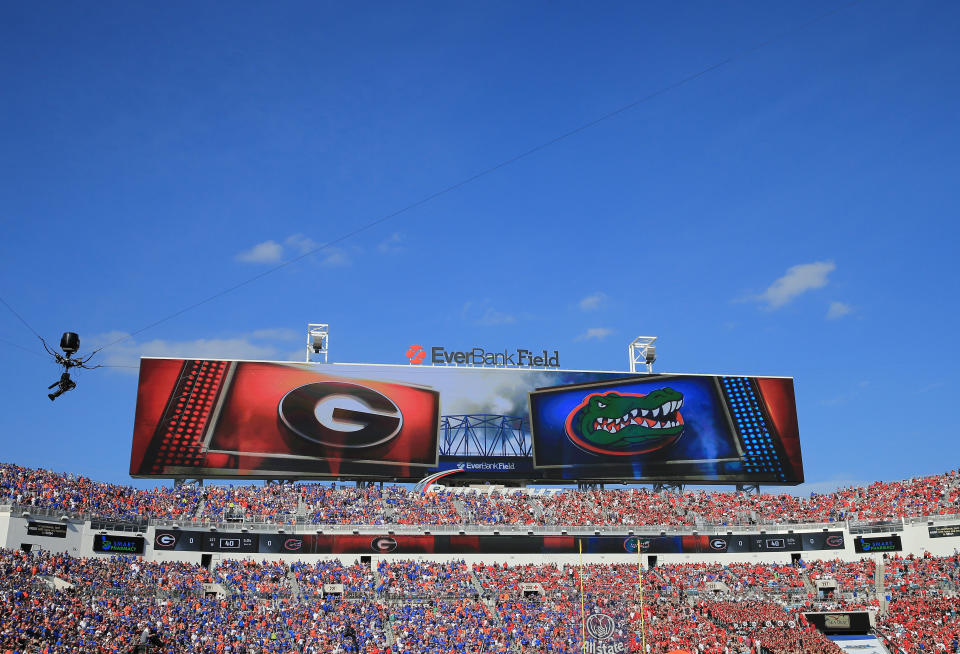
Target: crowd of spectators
321	503
412	607
329	505
911	574
445	627
80	495
768	625
922	623
252	579
850	577
311	577
271	503
424	579
128	574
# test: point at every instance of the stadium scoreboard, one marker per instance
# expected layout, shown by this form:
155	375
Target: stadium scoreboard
261	420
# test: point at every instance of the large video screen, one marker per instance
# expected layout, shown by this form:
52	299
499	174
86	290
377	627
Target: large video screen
236	419
667	427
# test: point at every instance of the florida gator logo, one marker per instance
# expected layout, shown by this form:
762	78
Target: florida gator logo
623	424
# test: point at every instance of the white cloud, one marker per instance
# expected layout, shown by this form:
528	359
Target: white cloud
333	257
593	302
277	334
295	245
493	317
266	252
392	244
840	397
838	310
594	334
482	313
125	355
797	281
301	244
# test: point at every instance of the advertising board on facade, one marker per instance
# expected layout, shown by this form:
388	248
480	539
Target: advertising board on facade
47	529
276	543
944	531
113	544
198	418
877	544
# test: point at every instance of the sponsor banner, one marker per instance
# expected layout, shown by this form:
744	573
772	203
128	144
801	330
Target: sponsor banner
501	467
606	632
114	544
836	621
478	356
944	531
47	529
859	644
193	541
871	545
230	419
840	622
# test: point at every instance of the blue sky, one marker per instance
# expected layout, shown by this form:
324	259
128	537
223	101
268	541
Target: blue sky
793	212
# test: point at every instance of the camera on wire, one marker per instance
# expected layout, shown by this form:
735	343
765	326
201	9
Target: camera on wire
70	344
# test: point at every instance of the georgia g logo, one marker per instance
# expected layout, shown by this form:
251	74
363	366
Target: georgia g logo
383	544
165	540
718	544
340	414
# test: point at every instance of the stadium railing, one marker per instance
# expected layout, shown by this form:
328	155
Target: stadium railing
875	526
932	519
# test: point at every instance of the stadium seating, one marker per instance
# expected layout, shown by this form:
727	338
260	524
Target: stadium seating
421	607
56	603
322	504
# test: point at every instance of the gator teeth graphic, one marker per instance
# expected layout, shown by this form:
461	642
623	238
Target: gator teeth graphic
667	414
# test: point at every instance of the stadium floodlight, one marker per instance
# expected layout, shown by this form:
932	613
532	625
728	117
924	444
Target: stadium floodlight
318	342
642	351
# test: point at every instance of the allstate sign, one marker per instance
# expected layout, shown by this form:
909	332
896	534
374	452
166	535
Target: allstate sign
604	635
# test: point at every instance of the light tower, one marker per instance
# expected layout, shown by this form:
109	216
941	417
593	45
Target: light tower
318	342
643	351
